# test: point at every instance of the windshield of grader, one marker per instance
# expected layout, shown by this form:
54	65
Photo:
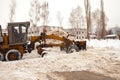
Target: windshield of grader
17	32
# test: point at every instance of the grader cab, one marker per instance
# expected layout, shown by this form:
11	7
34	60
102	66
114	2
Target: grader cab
17	32
12	44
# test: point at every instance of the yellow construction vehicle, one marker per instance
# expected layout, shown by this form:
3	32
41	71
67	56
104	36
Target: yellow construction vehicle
12	44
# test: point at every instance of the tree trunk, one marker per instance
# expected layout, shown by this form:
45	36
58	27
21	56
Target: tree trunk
88	16
103	30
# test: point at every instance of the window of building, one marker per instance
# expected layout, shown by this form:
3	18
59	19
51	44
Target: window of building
83	37
77	37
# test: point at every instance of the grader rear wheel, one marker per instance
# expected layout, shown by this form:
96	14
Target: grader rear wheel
1	56
13	55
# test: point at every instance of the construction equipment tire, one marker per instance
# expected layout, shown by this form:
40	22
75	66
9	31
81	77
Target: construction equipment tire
1	57
13	55
72	48
21	56
43	54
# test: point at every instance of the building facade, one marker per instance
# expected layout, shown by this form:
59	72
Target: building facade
78	33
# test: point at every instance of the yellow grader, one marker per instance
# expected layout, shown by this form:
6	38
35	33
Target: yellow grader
14	44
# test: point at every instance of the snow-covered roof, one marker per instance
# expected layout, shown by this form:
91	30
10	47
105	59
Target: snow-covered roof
113	35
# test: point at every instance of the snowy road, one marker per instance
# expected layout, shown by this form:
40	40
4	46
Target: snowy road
32	67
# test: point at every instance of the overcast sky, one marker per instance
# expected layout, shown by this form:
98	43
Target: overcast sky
64	6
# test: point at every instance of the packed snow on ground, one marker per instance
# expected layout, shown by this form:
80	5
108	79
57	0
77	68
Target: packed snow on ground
107	43
100	57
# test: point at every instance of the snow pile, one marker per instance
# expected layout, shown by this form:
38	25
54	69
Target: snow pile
33	67
109	43
58	32
17	75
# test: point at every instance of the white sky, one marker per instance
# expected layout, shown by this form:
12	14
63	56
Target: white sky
64	6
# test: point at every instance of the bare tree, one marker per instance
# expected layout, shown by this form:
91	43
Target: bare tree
34	12
100	21
60	18
88	16
12	10
45	13
97	21
76	18
103	29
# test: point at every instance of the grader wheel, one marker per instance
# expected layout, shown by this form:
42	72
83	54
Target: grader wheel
72	48
13	55
1	56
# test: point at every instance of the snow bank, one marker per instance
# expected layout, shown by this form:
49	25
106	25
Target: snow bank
99	59
17	75
32	65
108	43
